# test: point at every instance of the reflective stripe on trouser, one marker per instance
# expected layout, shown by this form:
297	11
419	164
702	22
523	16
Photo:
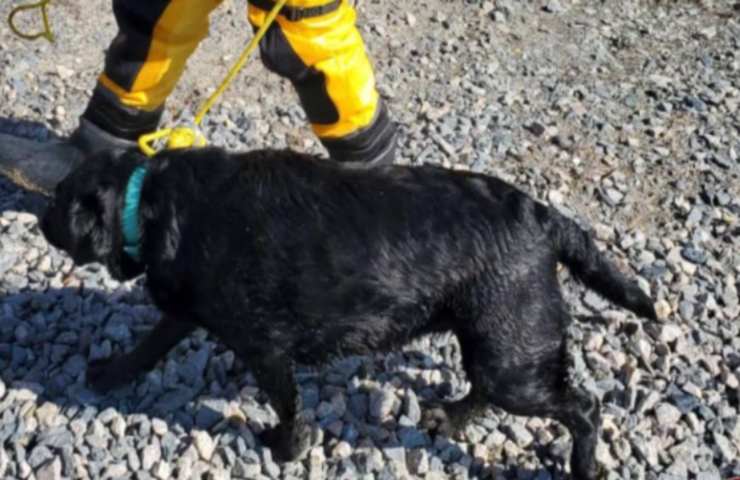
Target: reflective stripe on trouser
155	39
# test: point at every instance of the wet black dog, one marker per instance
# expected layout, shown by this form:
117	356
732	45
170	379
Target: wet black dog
290	259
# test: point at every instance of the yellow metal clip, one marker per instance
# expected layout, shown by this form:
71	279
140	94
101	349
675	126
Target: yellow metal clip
42	4
179	137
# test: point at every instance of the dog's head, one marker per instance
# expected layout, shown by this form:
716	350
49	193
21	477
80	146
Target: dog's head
84	216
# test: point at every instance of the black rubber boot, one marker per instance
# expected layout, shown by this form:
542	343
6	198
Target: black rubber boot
42	166
104	125
370	147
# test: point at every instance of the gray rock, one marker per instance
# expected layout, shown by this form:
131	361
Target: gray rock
310	396
647	450
727	450
162	470
194	366
358	405
99	442
117	331
594	301
38	456
418	460
210	413
381	404
396	455
412	438
246	470
4	461
694	255
52	470
151	454
553	6
708	475
316	464
667	415
521	434
55	438
100	351
174	400
116	470
669	333
270	468
411	408
257	414
204	444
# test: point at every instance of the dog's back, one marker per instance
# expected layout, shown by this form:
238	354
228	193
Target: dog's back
332	244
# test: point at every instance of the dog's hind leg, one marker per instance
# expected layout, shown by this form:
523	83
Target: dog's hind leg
117	371
291	438
451	417
540	388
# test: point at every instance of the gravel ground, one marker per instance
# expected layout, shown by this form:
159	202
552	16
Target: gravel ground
624	114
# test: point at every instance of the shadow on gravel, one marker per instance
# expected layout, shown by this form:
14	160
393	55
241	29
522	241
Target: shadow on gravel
47	338
16	199
12	196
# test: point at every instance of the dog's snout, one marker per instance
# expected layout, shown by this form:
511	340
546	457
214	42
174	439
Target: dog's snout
47	225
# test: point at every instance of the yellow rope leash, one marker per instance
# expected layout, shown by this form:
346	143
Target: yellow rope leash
184	137
42	4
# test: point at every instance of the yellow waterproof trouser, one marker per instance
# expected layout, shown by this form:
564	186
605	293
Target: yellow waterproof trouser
313	43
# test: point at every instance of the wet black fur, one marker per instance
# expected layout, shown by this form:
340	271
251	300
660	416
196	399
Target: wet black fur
290	259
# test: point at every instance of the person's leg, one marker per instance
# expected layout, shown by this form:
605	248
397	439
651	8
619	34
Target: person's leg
145	61
316	45
142	66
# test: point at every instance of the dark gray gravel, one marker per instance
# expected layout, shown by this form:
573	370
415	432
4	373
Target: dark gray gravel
624	114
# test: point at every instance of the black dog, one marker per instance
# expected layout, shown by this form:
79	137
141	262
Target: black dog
290	259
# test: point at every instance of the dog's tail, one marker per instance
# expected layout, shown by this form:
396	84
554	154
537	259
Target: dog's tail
577	250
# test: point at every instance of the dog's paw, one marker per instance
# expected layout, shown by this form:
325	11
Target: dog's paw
287	444
105	375
436	419
447	419
279	442
587	469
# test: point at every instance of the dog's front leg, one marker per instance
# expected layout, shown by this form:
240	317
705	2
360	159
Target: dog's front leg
114	372
290	439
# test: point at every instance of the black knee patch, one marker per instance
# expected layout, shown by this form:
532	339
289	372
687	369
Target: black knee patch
279	57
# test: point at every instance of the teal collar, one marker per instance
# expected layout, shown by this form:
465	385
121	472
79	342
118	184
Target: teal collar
130	215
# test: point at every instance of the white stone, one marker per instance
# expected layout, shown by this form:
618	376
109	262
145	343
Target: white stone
151	455
114	471
667	415
47	414
159	426
669	333
204	444
162	470
342	450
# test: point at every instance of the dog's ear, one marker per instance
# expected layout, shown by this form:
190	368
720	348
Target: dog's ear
93	223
